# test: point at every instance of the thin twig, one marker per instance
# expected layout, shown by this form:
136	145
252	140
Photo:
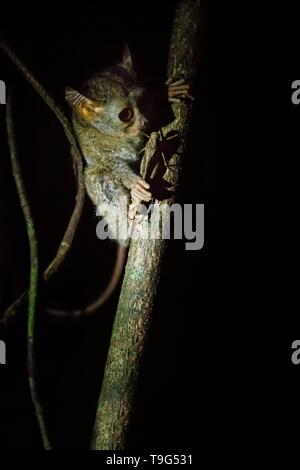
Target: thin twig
68	237
34	270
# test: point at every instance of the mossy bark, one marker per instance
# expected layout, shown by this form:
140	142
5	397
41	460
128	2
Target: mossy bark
133	316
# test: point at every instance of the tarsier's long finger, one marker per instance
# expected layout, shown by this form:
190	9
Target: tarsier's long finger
135	201
141	188
143	183
145	195
179	87
178	91
142	197
178	82
183	94
174	100
183	85
138	194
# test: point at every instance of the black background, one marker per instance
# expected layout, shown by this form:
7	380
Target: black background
217	371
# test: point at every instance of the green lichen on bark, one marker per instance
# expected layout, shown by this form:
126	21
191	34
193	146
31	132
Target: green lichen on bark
133	316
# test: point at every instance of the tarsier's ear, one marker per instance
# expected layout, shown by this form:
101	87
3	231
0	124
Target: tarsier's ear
127	59
85	107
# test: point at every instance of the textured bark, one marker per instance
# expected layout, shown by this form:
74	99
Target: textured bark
133	316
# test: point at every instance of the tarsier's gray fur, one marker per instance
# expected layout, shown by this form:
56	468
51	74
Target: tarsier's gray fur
109	145
110	142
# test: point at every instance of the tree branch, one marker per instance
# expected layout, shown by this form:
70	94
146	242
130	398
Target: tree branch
34	269
133	316
68	237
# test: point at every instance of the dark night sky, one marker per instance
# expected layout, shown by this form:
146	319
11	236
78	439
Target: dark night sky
217	370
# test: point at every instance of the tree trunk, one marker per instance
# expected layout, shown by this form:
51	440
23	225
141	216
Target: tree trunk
133	316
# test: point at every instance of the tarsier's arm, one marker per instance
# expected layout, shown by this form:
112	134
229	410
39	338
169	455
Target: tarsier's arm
121	172
177	90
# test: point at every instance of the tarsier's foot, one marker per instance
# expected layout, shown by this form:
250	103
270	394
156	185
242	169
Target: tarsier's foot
139	193
132	210
178	90
137	211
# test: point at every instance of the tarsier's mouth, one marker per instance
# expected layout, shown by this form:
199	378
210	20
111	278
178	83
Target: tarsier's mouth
136	129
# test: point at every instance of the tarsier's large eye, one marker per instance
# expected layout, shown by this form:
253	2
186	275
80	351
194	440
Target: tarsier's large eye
126	114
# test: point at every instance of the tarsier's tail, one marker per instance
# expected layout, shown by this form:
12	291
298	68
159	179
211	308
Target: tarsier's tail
105	295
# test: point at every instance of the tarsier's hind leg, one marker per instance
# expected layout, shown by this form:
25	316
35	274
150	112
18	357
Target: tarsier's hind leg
112	202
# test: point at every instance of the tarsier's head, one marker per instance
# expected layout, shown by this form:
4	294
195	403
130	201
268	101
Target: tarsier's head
109	101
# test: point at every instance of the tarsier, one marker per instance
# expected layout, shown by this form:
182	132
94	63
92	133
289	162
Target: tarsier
110	129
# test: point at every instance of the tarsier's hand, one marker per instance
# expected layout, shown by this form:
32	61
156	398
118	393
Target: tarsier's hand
139	190
178	90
